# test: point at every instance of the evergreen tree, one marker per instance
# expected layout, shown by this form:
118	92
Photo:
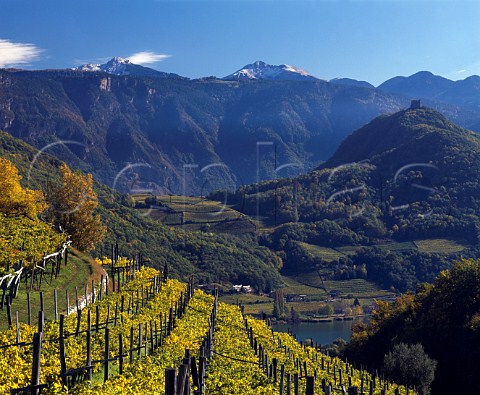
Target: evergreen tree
411	365
279	308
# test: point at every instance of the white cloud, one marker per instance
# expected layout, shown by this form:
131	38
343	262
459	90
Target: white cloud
12	53
461	71
147	57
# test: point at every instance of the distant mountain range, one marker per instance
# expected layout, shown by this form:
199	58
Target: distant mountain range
425	85
162	131
421	85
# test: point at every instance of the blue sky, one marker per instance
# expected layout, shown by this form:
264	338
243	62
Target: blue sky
367	40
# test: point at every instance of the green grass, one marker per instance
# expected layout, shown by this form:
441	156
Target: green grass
200	206
300	307
325	253
245	299
78	272
253	304
398	246
258	309
441	246
348	250
305	307
293	286
237	227
177	199
140	197
358	288
213	216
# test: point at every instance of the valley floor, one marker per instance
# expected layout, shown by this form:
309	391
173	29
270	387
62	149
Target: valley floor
308	297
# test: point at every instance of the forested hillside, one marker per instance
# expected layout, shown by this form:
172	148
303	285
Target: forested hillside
444	317
405	178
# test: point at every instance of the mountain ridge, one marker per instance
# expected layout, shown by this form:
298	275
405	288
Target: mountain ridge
161	125
352	82
420	85
381	153
167	123
400	133
259	70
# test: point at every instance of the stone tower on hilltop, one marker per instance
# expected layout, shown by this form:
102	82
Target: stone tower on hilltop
415	104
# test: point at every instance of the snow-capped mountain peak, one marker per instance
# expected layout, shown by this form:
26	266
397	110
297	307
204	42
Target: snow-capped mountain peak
118	59
262	71
116	65
123	66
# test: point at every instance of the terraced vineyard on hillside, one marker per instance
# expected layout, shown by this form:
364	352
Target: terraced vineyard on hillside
148	337
439	246
195	213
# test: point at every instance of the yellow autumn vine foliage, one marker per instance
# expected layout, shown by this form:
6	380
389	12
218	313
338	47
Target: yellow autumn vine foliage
287	350
147	376
75	346
234	368
121	262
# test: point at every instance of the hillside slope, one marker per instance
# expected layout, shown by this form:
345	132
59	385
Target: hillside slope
410	136
210	257
407	177
391	157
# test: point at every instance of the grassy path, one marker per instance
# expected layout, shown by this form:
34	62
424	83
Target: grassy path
80	271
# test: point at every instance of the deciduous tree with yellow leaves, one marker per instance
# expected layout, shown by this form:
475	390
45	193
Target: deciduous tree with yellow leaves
23	236
73	205
16	200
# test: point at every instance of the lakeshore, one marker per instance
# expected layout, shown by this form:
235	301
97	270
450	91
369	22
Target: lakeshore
322	331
